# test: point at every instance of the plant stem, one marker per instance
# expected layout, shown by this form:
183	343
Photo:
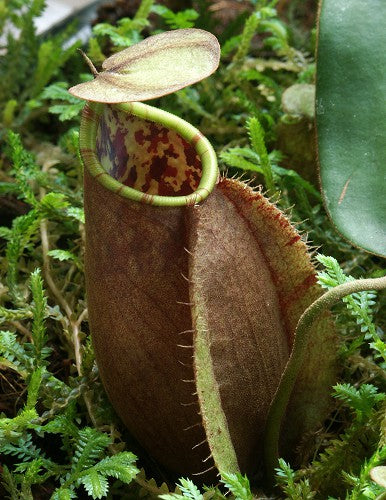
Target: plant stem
72	321
47	271
21	328
145	484
89	63
290	374
356	360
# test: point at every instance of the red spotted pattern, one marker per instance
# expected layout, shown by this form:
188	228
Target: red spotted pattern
147	156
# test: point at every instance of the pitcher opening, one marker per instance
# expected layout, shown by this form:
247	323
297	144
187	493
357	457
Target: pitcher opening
145	155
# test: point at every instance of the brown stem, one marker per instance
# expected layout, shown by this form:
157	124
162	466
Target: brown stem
89	63
21	328
73	323
47	271
151	489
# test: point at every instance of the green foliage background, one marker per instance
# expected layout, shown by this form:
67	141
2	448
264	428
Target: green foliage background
59	437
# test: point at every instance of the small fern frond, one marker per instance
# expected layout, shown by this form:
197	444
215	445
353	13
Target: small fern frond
15	442
76	213
144	9
61	424
34	383
13	354
67	107
360	305
293	487
121	466
95	484
248	33
180	20
64	493
23	230
256	136
237	161
364	484
188	490
9	483
24	167
53	204
89	447
238	485
39	308
362	400
14	314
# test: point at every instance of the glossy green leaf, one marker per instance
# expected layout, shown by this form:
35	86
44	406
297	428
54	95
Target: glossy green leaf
351	118
159	65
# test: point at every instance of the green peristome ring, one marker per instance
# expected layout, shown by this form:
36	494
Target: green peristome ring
90	123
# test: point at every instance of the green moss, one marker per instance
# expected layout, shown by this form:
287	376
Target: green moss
58	434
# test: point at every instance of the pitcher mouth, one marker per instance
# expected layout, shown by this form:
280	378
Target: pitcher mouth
147	155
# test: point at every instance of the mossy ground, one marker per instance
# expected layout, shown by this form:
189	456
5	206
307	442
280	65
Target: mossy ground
59	436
